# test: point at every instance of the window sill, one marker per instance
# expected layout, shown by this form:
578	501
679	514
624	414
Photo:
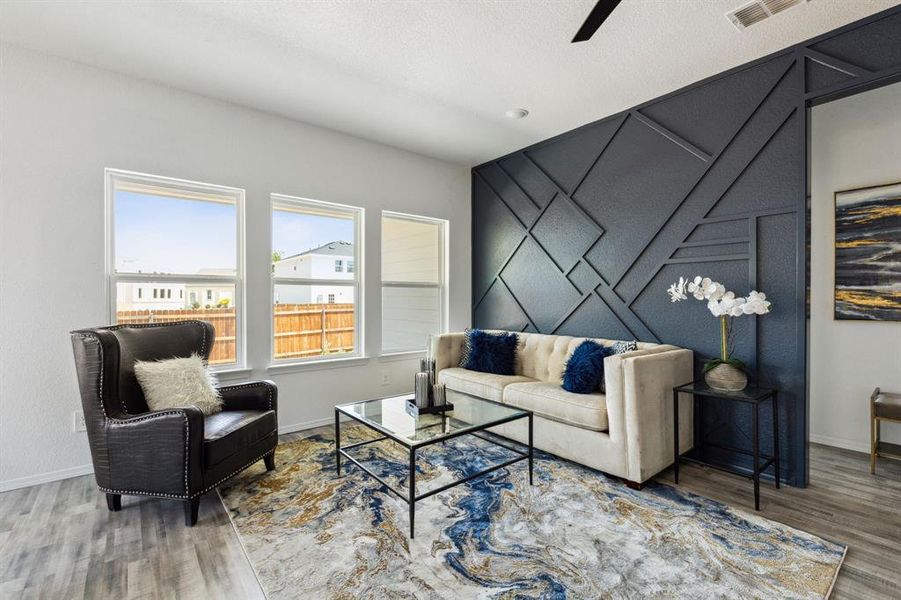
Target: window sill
395	356
232	374
316	365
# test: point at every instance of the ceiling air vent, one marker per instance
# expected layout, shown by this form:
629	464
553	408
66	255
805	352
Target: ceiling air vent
755	12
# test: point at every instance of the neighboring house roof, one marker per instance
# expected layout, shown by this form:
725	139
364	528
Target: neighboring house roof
336	248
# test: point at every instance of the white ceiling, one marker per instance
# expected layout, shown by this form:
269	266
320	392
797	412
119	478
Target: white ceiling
432	76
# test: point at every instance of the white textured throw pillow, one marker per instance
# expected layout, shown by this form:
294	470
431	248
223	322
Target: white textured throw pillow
178	382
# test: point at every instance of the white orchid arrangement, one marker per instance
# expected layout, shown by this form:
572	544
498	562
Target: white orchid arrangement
724	305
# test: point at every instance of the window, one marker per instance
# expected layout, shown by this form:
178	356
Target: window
209	294
350	266
413	281
311	243
169	234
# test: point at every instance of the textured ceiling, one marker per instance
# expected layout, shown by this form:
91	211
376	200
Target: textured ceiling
435	76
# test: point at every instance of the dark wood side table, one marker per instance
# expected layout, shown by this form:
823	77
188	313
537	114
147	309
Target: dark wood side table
754	396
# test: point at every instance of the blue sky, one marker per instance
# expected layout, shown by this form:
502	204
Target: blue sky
293	233
169	235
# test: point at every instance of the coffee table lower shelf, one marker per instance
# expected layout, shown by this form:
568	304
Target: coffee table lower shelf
411	498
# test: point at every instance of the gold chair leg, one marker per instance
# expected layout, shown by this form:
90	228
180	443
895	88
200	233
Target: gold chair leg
874	440
874	431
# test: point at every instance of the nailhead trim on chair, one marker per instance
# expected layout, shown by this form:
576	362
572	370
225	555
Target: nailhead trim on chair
169	324
247	386
185	497
140	493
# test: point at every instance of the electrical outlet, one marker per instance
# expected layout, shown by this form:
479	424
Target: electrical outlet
78	423
386	379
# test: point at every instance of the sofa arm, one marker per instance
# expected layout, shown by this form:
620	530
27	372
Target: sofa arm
251	395
647	392
447	349
156	453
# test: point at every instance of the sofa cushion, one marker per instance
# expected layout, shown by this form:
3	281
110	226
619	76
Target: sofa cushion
232	431
544	357
481	385
584	372
588	411
888	405
622	347
490	352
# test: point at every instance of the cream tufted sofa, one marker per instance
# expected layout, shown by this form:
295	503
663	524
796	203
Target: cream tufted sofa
627	431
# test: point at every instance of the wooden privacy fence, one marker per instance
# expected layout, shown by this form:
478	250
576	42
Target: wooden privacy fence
301	330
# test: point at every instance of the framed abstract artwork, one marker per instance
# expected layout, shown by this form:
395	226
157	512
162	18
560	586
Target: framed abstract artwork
868	253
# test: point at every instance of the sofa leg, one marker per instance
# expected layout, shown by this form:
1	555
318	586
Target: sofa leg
269	460
114	502
634	485
192	507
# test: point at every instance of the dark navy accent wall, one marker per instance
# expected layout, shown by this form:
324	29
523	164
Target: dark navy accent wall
582	234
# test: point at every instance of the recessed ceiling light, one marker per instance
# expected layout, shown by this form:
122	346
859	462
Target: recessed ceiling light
517	113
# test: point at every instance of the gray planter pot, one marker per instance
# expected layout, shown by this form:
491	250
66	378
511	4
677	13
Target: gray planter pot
726	378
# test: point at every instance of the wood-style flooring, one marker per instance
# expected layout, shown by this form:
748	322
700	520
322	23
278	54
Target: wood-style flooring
843	503
58	540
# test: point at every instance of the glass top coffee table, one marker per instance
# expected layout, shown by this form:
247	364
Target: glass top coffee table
389	417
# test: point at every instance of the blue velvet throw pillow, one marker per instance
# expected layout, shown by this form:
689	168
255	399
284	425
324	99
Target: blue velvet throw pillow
585	368
491	352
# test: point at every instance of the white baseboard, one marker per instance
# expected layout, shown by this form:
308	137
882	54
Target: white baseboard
30	480
847	444
305	425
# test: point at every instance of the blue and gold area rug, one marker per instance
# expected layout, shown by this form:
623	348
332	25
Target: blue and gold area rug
574	534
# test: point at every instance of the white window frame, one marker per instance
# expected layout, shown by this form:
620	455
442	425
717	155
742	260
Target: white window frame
357	280
441	285
111	177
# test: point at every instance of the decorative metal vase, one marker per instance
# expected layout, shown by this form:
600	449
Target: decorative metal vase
421	387
726	378
439	397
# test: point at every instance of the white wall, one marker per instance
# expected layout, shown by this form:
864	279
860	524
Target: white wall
855	142
61	123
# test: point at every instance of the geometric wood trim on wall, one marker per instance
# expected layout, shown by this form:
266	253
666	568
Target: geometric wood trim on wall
581	234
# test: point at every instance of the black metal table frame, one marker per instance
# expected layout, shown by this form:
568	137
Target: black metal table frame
770	394
411	498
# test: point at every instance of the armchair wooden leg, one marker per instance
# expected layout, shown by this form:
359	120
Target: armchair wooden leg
114	502
269	460
192	507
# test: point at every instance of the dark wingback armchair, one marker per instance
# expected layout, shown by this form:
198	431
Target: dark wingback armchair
173	453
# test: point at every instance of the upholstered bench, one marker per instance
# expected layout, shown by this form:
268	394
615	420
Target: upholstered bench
884	406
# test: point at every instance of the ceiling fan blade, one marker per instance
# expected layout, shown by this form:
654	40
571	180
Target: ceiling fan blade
595	19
